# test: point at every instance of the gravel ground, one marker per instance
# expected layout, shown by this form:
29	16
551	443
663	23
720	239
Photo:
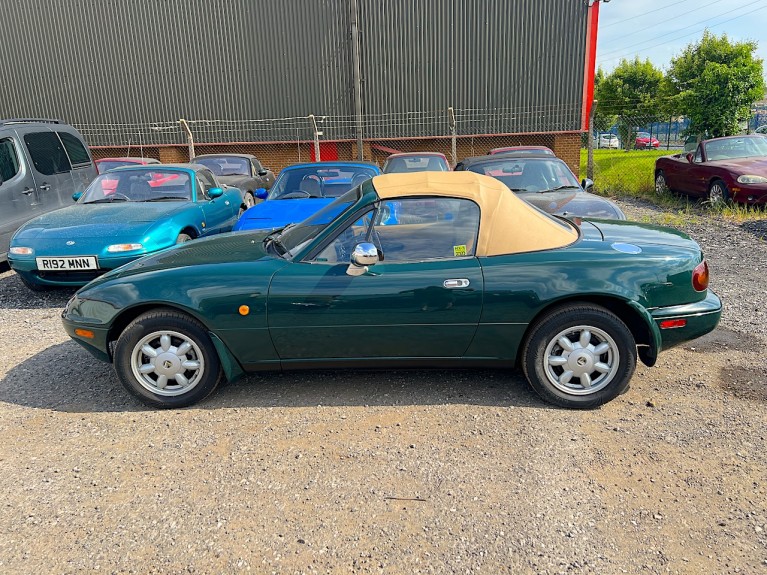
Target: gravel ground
392	472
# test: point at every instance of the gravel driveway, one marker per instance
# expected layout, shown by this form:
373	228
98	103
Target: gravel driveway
392	472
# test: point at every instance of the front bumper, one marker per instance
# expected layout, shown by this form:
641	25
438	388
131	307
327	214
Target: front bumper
27	267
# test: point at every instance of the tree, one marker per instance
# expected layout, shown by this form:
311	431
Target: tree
714	82
630	93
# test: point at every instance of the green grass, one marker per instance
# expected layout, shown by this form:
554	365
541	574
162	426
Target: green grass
620	173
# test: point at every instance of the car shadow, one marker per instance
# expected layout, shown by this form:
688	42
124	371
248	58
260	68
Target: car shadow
15	295
756	227
65	378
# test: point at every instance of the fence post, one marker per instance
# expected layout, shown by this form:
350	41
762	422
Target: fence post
668	133
357	73
590	143
317	135
451	123
189	138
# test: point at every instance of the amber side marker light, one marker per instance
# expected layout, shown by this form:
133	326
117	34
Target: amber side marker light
244	310
700	276
84	333
673	323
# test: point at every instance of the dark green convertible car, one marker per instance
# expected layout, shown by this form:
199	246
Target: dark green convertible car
429	269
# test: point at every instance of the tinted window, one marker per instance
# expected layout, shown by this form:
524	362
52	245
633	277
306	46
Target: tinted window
139	186
47	153
225	166
207	181
78	155
328	181
9	161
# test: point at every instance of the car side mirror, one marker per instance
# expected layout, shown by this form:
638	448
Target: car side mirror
214	193
262	172
77	195
587	184
364	255
261	193
689	157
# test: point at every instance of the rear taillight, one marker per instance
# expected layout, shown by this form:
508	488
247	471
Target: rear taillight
700	276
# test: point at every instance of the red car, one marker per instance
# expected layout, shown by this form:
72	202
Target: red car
732	168
416	162
523	151
644	141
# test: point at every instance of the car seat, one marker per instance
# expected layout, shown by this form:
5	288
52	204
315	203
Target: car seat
140	191
533	177
311	186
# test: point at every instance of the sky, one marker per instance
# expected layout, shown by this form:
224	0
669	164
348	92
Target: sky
662	29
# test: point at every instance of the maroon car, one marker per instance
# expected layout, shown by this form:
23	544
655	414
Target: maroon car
523	151
732	168
416	162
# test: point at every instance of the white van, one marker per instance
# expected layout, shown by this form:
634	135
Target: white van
42	163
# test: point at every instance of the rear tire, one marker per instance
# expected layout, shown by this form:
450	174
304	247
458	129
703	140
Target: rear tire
249	199
166	359
182	238
579	356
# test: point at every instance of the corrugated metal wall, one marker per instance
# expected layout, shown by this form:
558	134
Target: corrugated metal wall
506	65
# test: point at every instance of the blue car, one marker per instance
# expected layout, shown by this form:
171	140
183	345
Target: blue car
311	186
124	214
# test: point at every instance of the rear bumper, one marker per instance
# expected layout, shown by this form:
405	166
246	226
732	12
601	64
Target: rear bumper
699	319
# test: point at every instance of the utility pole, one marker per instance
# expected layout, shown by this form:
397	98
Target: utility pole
189	138
451	124
357	76
317	134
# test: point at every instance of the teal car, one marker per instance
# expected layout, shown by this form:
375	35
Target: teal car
467	274
124	214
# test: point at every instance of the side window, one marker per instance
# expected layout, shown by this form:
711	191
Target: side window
9	161
256	167
78	155
205	178
698	155
420	229
47	153
340	249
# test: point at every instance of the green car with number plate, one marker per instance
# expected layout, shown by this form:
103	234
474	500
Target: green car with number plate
429	269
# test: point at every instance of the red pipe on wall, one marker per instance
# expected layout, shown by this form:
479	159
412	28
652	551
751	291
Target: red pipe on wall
592	23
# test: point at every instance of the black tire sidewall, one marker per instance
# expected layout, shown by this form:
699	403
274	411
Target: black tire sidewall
166	320
533	360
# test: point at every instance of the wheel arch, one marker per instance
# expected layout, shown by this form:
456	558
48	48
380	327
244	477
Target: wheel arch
635	316
191	231
232	367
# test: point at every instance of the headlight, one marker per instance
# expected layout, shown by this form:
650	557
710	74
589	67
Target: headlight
21	251
116	248
751	179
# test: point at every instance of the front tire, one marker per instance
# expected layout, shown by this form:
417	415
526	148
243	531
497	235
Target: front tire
661	188
579	356
166	359
718	192
249	199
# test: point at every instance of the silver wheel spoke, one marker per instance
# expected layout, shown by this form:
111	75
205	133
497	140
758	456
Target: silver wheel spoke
182	380
601	348
183	348
165	342
586	380
190	364
565	378
162	381
557	360
146	368
148	350
565	344
601	367
585	338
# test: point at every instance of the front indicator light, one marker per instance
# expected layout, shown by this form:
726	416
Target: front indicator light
700	276
21	251
84	333
673	323
751	179
116	248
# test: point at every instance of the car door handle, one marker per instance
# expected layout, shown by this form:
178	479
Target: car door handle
27	191
456	283
45	187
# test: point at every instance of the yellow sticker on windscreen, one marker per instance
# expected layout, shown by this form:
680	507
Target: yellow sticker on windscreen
459	250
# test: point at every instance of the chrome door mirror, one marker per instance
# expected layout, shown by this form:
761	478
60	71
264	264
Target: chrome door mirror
587	184
364	255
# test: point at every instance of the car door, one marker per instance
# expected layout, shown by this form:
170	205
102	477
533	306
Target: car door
18	195
219	213
50	167
423	300
264	177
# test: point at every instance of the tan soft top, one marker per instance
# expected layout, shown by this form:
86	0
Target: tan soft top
507	224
